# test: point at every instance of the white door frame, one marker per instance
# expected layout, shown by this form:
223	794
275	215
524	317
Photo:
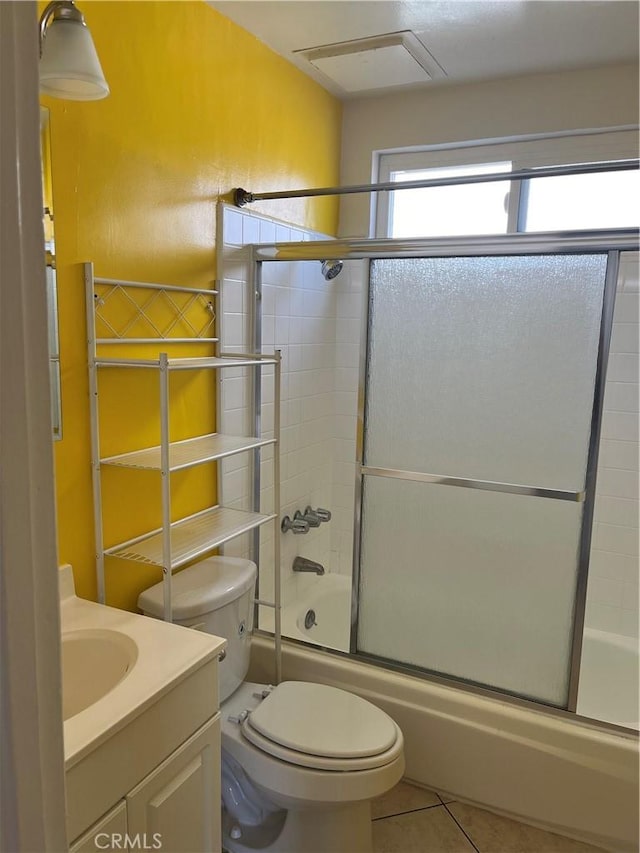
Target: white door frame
32	814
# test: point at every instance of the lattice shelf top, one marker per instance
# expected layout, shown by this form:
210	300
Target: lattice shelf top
140	312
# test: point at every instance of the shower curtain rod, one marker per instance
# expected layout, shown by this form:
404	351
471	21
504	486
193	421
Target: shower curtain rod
242	197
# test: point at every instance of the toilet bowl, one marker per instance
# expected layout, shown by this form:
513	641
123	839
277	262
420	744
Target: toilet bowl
300	761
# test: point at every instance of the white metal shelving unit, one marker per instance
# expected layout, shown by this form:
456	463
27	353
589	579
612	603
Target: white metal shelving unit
175	543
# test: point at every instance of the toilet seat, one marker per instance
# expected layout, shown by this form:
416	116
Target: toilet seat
323	728
318	762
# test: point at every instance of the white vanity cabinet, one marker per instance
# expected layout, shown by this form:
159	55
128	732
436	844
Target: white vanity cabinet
177	807
157	773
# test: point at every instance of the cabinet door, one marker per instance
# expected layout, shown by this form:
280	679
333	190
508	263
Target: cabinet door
177	807
106	834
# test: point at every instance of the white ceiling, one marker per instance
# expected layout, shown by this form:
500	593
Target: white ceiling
469	39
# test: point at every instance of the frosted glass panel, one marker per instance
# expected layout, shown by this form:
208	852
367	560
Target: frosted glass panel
474	584
484	368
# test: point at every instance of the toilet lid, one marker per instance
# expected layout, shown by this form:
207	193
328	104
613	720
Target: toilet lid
318	720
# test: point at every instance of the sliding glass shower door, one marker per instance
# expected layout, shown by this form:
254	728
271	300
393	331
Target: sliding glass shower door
478	423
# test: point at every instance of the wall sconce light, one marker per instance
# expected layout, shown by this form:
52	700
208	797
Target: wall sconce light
69	64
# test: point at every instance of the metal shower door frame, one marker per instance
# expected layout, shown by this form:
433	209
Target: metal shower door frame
611	243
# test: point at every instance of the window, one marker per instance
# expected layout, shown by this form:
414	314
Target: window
440	211
572	202
581	202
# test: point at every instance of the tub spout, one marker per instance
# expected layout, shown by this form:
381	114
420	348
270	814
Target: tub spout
301	564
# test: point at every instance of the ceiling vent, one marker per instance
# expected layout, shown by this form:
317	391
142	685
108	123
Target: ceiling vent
379	62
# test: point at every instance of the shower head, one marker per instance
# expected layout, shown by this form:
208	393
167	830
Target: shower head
330	269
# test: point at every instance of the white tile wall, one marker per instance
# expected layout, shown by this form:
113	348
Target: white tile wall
612	595
316	325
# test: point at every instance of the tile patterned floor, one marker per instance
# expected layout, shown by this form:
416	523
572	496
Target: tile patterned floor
414	820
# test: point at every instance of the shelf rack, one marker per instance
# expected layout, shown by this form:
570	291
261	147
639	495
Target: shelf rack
176	543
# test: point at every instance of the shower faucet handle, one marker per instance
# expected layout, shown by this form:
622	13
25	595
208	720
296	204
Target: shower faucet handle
298	525
309	516
321	514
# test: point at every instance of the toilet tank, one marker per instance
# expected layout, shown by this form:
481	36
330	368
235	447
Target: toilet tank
216	596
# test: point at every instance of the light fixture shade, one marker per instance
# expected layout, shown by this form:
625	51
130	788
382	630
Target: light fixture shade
69	66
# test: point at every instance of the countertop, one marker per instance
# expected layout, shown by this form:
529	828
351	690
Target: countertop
167	654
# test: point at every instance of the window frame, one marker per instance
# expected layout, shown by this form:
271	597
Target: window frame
524	152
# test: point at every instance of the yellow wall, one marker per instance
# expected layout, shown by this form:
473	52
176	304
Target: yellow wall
197	107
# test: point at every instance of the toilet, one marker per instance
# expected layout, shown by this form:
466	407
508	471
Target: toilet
300	761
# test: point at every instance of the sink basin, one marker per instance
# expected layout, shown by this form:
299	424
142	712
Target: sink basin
94	661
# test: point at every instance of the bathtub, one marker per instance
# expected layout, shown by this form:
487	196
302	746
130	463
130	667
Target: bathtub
559	773
608	687
329	599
